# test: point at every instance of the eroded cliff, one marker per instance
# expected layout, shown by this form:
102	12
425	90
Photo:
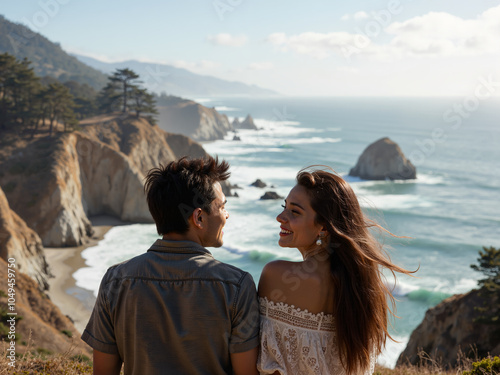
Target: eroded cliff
55	184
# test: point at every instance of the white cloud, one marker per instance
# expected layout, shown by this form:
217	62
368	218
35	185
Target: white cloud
439	34
435	34
261	66
227	40
317	45
360	15
345	17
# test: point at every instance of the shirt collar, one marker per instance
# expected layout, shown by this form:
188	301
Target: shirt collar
186	247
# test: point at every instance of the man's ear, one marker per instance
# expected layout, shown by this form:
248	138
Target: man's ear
198	218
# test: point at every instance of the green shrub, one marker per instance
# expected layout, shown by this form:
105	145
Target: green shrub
67	332
487	366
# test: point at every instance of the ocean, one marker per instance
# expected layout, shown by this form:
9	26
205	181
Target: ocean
447	214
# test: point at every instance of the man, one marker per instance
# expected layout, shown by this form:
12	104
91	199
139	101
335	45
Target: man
175	309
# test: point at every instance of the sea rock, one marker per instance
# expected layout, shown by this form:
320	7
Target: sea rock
97	170
383	160
451	326
258	183
193	120
247	123
19	242
42	325
271	195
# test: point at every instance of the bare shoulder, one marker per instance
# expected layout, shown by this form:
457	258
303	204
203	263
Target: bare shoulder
296	284
271	278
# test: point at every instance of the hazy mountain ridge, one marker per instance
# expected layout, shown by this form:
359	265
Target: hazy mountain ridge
178	81
47	57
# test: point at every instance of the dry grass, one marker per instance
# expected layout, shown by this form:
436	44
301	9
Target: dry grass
34	362
39	361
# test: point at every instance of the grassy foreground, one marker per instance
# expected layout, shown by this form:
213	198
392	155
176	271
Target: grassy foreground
37	362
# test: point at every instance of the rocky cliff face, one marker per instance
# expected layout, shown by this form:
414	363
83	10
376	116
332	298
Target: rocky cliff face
194	120
41	321
450	327
55	184
383	160
21	243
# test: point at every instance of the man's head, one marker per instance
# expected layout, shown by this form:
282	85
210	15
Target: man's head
187	193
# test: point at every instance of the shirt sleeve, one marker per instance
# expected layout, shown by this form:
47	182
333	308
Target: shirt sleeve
99	333
246	318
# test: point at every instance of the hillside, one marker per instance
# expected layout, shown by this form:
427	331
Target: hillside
48	58
55	184
176	81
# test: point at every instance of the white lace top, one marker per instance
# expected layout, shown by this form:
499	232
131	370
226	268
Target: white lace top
295	341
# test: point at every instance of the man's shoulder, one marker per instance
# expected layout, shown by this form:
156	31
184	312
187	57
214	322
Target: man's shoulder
229	272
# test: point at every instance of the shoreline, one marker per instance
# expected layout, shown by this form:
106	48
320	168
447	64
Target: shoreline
72	300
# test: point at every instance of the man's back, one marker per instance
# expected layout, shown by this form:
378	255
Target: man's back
175	310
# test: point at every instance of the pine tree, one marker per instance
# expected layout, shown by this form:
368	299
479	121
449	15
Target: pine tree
126	79
489	265
144	102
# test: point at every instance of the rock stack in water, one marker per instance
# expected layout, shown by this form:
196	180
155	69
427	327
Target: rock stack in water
247	123
383	160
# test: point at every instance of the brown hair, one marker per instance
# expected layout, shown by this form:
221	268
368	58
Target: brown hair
174	191
356	262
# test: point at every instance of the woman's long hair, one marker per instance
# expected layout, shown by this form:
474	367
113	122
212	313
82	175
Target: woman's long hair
357	260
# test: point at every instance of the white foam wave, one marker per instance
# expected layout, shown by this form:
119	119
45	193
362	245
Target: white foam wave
392	350
225	108
392	201
117	246
313	140
400	289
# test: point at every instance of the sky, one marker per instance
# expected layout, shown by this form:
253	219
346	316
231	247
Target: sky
299	48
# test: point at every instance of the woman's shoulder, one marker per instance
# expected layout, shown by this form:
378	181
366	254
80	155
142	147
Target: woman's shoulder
285	281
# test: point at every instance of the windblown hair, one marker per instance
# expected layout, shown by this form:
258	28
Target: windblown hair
173	192
356	262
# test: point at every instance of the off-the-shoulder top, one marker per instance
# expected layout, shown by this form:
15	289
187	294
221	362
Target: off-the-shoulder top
295	341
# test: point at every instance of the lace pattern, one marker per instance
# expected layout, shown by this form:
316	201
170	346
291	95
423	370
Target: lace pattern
295	341
294	316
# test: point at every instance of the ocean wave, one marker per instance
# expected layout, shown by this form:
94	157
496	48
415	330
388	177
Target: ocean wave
224	108
313	140
393	201
428	296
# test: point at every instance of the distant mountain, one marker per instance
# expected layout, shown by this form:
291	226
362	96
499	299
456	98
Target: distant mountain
176	81
47	58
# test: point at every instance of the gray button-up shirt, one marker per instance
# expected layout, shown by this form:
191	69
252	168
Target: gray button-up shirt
175	310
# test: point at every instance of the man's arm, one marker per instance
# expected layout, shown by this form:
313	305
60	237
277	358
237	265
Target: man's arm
245	363
106	364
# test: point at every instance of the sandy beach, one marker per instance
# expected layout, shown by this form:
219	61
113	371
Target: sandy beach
74	301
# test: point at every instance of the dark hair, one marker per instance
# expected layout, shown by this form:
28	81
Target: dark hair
356	262
176	190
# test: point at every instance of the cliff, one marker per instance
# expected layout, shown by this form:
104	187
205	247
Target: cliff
193	119
55	184
38	319
383	160
450	327
23	244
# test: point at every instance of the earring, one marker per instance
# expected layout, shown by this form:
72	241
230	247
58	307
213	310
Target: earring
318	241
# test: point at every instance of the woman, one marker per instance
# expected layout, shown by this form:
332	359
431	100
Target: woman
328	313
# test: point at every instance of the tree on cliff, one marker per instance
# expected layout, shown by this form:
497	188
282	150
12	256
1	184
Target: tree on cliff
127	80
144	102
123	91
489	265
18	90
58	105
